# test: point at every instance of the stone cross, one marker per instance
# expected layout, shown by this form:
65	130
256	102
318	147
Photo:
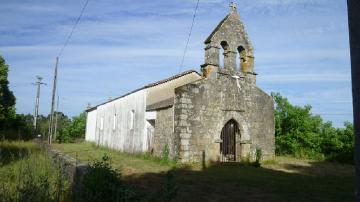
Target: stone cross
233	6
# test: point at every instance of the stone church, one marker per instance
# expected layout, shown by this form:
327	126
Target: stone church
217	115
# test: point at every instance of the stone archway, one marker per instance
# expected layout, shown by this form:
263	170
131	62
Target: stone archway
242	140
228	146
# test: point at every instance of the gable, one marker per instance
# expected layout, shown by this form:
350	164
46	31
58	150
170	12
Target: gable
231	30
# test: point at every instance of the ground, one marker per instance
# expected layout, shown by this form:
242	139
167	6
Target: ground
280	179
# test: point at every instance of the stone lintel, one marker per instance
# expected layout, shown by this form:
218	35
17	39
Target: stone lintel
211	46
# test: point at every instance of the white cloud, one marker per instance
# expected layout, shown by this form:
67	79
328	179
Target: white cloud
306	54
298	78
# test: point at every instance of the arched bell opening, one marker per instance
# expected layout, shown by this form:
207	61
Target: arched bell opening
242	59
228	141
223	53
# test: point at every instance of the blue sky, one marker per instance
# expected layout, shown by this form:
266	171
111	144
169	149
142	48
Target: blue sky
301	48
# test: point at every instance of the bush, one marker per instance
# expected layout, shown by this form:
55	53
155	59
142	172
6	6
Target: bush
102	183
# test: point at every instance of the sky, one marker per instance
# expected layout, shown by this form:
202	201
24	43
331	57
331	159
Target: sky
301	48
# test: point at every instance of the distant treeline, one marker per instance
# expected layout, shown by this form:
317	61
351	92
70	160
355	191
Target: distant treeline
20	127
68	130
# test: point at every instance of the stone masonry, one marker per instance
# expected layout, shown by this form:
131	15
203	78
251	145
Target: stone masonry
226	92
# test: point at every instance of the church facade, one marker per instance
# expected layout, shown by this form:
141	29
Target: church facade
218	115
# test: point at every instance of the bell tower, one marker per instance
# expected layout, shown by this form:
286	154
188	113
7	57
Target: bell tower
230	38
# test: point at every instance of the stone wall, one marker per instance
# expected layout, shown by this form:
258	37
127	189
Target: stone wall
203	108
164	132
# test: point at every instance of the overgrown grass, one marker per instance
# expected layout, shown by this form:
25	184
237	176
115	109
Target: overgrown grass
127	163
279	179
27	174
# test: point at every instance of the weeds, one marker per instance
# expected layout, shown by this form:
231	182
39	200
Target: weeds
165	153
258	157
27	174
102	183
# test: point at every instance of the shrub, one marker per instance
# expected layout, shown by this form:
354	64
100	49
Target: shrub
102	183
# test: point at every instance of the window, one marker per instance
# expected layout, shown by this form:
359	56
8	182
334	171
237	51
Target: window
132	119
114	122
102	123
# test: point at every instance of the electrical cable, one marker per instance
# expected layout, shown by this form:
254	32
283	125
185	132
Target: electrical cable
73	28
188	39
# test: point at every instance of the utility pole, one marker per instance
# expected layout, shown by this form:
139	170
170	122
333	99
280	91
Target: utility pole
51	122
56	117
37	100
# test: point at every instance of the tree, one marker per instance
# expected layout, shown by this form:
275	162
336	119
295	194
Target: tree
7	99
63	123
301	134
297	131
76	129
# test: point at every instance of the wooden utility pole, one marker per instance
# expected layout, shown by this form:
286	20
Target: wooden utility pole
37	100
354	36
56	117
51	122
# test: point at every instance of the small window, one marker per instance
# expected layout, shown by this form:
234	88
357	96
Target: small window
102	123
114	122
132	119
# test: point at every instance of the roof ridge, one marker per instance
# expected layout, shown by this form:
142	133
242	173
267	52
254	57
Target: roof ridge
148	86
171	78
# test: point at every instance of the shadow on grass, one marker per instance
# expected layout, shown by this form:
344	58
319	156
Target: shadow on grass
236	182
11	153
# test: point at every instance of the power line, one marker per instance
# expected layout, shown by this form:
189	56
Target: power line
73	29
52	128
188	39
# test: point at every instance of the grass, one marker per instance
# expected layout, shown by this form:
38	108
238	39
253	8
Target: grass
278	179
27	174
128	163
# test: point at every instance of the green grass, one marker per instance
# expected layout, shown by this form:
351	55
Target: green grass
128	163
279	179
28	174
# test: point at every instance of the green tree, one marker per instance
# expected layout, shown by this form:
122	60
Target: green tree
302	134
297	131
63	123
338	143
76	129
7	99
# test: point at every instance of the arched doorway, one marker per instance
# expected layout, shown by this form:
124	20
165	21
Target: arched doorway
228	143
